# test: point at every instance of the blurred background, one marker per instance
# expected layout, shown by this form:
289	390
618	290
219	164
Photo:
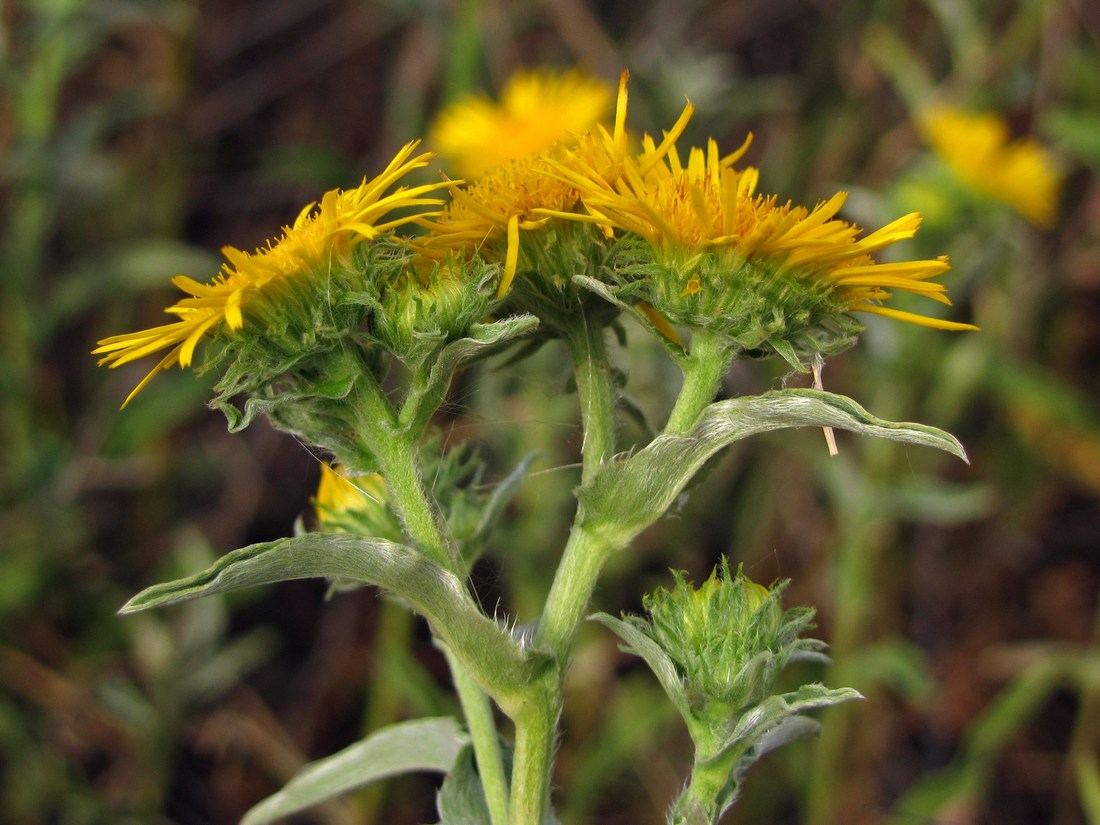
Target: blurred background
137	138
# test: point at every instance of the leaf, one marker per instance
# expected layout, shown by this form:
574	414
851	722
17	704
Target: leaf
624	497
419	745
791	728
638	643
461	799
761	724
482	645
430	383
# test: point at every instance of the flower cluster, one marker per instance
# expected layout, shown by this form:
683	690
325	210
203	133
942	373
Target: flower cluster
728	639
682	236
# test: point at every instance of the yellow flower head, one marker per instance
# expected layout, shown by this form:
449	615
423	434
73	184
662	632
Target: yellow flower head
537	109
322	235
340	496
977	148
502	201
523	192
706	207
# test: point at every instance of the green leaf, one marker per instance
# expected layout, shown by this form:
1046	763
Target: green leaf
627	496
486	648
640	644
761	727
430	383
419	745
461	799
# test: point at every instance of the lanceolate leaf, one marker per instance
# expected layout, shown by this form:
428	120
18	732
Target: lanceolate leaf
431	381
638	643
487	649
626	496
461	799
419	745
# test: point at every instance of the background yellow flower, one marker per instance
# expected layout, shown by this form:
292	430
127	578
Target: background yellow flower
977	148
537	109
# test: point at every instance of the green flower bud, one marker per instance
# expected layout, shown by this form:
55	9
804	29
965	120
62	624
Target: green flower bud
728	638
718	650
421	311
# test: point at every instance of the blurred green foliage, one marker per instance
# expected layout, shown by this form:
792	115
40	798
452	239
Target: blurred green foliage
138	137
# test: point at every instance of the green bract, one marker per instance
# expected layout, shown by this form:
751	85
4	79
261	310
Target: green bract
760	307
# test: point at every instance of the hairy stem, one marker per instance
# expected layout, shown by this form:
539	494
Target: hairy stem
571	592
704	368
595	392
537	719
486	742
533	760
395	449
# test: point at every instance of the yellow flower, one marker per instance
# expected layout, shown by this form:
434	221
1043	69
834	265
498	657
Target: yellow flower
977	148
523	192
339	495
537	109
503	200
707	206
321	235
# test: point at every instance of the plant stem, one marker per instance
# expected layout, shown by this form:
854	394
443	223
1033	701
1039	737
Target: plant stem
571	592
395	449
704	368
486	742
595	392
536	719
533	761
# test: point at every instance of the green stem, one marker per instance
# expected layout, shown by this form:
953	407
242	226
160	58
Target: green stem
486	742
702	797
595	392
533	759
536	723
395	450
571	591
704	368
536	719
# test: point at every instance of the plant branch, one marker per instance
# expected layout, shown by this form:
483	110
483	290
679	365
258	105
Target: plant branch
595	392
483	735
704	368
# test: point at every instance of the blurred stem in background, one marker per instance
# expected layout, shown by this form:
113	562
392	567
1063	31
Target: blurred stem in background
38	59
465	50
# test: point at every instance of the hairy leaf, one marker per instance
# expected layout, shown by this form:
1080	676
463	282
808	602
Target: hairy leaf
494	659
418	745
